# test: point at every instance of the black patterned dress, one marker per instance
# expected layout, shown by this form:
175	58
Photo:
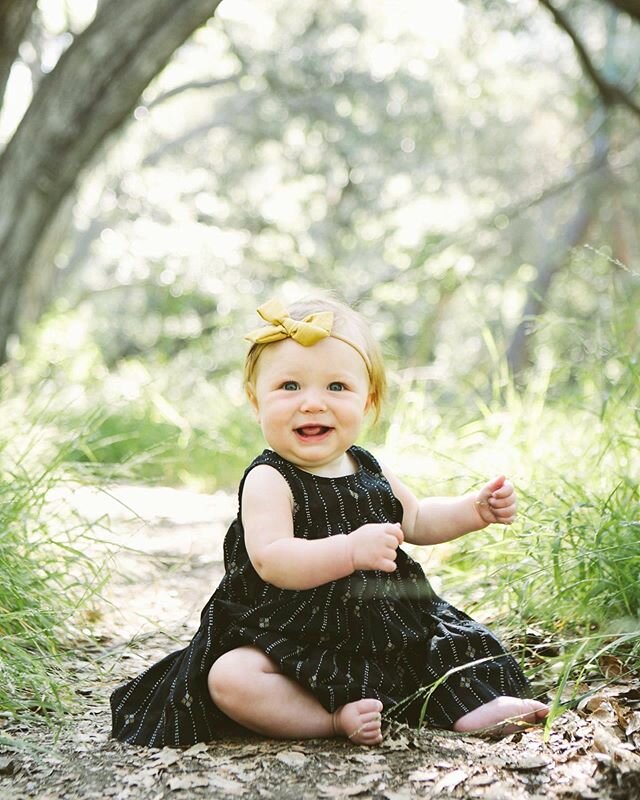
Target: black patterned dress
372	634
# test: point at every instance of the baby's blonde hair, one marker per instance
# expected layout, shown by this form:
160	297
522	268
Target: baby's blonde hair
346	321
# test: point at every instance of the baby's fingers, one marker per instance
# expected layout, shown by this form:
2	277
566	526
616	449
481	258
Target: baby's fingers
398	533
390	551
505	515
504	491
387	559
499	503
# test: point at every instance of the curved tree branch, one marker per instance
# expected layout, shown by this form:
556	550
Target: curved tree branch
93	89
610	93
218	120
15	16
572	234
191	85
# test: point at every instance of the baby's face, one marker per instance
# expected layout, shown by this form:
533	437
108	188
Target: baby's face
311	402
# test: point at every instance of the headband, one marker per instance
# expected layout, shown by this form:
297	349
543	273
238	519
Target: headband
307	331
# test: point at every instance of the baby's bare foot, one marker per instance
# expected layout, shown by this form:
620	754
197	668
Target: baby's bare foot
359	722
502	716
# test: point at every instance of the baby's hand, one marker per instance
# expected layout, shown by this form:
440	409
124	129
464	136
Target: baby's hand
496	502
373	546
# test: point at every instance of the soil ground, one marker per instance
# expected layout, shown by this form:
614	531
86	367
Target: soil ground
169	560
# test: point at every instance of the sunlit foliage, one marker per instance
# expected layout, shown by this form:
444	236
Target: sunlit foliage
420	167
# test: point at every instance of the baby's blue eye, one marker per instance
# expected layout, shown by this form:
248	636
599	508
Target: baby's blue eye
336	386
290	386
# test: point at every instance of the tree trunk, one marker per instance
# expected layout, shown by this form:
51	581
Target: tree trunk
573	234
557	252
15	16
93	88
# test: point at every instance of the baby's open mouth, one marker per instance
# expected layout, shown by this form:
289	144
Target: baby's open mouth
312	431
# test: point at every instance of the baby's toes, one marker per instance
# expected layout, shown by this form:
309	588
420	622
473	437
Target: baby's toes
368	734
369	730
540	711
368	706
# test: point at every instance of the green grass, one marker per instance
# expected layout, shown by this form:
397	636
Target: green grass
563	582
46	574
135	444
150	427
568	571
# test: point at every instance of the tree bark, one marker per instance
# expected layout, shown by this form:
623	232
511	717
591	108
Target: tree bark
15	16
90	93
610	93
557	252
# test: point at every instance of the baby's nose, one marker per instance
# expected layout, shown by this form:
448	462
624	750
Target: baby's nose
312	401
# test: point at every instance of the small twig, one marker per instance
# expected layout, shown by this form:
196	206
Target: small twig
612	260
192	85
611	93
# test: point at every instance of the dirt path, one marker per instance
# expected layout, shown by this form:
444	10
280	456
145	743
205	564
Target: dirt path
162	582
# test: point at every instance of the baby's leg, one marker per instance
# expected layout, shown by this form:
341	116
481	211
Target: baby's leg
247	685
502	715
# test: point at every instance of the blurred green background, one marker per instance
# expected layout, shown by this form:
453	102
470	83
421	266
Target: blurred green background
465	174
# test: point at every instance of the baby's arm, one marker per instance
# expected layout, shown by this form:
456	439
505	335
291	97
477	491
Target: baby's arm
290	563
439	519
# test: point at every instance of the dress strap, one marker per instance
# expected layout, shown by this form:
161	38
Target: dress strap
272	459
366	459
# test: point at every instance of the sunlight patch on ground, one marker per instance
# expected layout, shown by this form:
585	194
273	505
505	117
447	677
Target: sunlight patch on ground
165	541
153	504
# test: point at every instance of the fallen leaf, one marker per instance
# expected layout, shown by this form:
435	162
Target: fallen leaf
167	756
592	703
421	775
367	758
633	723
196	749
247	751
341	791
187	782
603	740
292	758
484	779
450	780
226	784
144	777
611	666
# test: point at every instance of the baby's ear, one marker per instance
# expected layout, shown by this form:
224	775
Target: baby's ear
253	400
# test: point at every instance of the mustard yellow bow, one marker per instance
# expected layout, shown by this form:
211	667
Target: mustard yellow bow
305	331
